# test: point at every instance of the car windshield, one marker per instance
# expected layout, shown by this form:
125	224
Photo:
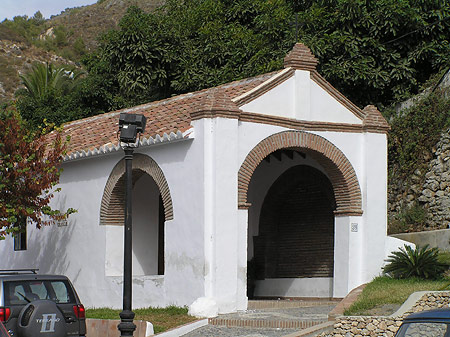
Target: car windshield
22	292
422	329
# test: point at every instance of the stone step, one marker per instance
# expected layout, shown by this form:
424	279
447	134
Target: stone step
262	323
287	303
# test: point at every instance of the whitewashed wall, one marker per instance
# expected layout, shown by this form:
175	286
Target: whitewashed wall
79	250
206	249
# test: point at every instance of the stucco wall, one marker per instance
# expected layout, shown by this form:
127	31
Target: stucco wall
438	238
359	252
206	249
79	249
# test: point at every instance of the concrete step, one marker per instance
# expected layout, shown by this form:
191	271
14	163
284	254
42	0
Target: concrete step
266	324
277	315
290	303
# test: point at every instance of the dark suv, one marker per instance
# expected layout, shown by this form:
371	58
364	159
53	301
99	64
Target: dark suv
32	305
431	323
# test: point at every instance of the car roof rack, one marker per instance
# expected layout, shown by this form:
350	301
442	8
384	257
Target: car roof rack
18	271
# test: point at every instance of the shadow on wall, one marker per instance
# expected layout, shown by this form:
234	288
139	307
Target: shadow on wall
47	250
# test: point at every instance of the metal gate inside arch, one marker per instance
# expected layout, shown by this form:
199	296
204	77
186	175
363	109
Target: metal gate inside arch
296	227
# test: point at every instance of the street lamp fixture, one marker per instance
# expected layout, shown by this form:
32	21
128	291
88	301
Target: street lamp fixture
130	126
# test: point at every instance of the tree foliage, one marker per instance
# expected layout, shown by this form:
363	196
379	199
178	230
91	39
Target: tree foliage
46	78
47	94
189	45
421	262
22	28
29	171
415	131
375	52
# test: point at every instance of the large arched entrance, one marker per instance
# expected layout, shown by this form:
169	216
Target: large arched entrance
152	206
295	185
296	226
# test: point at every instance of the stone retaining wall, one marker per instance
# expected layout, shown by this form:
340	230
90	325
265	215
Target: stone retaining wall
431	190
386	326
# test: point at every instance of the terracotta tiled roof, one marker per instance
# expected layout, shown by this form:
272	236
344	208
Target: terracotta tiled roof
171	117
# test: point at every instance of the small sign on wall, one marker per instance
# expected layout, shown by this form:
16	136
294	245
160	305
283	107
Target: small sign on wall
354	227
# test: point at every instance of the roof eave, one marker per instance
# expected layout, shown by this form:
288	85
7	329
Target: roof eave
172	137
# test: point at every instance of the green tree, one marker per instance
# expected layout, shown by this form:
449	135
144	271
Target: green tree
23	28
190	45
375	52
47	94
29	171
45	79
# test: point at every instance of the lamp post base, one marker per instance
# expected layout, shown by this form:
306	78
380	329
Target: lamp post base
126	325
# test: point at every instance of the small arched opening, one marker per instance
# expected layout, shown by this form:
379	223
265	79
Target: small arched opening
152	206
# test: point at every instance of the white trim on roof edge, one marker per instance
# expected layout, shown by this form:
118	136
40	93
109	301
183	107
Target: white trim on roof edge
108	148
262	85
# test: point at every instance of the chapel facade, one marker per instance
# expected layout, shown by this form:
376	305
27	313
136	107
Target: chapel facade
279	172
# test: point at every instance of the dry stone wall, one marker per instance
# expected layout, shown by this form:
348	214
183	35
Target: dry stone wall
430	190
382	326
435	194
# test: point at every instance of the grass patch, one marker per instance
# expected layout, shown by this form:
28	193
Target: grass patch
444	257
385	290
162	318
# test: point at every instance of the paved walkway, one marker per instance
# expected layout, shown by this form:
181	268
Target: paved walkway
276	321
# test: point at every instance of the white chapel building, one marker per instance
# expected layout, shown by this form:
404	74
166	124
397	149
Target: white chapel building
280	169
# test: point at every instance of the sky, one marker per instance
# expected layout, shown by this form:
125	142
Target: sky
11	8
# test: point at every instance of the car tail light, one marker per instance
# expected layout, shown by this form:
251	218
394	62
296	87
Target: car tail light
79	311
5	313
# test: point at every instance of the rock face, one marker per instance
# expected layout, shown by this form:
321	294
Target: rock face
430	191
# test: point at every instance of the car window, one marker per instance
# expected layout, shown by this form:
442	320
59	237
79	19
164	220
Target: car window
15	296
418	329
18	292
61	292
38	289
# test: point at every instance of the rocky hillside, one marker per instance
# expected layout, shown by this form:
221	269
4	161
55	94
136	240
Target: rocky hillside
88	22
16	58
80	25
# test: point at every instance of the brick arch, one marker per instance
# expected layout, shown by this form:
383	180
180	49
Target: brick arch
338	168
112	205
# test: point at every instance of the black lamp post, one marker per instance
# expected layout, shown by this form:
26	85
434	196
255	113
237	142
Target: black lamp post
130	125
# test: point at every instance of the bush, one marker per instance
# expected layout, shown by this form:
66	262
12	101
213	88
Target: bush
414	217
421	262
